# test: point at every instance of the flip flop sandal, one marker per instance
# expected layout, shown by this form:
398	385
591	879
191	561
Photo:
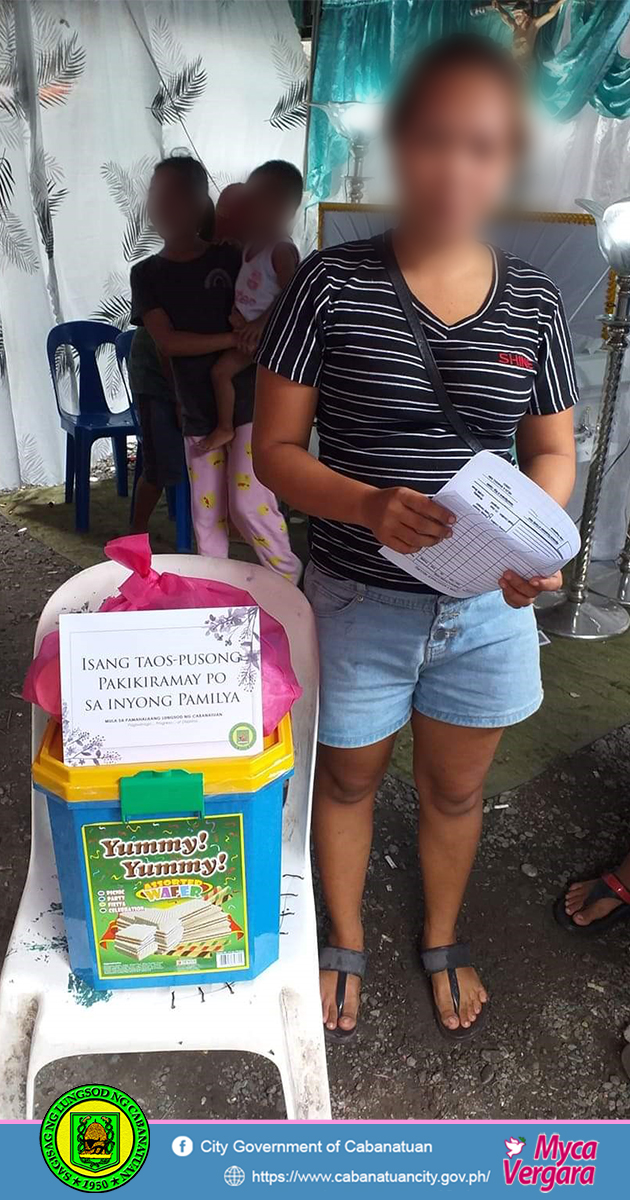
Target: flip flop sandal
345	962
448	958
607	887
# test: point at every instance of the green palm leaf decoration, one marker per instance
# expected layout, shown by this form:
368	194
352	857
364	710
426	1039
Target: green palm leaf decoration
114	309
290	61
58	69
46	177
55	194
8	58
292	70
66	362
59	62
7	183
168	51
139	238
10	129
8	103
32	466
121	184
128	189
16	247
292	108
46	23
179	92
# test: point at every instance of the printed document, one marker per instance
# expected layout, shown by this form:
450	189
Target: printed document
504	522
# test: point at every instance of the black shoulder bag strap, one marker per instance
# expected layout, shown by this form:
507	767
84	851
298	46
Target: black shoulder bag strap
406	302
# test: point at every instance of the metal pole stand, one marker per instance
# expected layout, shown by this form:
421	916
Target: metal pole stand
613	581
355	182
576	613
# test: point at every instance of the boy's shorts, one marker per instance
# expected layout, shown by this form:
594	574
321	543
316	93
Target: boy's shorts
163	463
385	654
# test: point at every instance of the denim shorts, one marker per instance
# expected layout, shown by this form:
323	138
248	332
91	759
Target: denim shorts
385	653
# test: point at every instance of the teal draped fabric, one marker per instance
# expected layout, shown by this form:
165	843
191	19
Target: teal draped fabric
589	69
298	8
357	45
360	44
363	44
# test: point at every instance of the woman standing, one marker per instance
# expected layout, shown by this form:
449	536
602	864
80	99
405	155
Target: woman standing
339	346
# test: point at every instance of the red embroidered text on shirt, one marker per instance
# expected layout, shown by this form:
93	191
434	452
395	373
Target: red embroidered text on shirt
516	360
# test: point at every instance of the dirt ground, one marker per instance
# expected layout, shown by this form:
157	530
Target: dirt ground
558	1007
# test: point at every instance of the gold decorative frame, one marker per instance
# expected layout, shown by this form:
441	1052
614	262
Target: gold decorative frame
564	218
329	206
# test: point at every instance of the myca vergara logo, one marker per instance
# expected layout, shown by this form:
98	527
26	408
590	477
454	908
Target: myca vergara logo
555	1162
95	1138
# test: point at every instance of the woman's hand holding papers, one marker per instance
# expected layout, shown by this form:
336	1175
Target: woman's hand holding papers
519	593
405	520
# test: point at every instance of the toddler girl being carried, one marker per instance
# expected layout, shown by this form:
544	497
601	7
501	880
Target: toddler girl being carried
271	198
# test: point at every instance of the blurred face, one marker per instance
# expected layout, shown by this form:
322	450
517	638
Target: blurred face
455	159
174	208
269	212
231	212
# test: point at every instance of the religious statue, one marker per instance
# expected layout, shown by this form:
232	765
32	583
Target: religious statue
524	25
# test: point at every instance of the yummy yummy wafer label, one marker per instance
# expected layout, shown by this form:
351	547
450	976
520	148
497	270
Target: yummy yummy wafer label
167	897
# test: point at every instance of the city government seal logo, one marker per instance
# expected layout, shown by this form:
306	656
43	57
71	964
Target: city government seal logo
94	1133
242	736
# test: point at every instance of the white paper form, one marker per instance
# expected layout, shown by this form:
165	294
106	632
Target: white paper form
504	522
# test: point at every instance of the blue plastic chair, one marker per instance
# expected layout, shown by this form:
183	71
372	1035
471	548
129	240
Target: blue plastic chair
123	350
94	419
178	497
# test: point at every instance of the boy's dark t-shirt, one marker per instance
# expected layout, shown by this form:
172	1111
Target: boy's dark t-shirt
197	296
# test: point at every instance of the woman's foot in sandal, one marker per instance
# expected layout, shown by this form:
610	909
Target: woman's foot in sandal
473	996
342	969
458	993
582	913
594	905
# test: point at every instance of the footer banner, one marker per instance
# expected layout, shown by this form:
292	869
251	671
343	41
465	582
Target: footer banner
98	1140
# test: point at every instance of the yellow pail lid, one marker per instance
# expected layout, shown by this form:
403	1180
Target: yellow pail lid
221	776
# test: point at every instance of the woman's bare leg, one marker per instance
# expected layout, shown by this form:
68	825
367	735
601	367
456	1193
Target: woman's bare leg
450	765
345	785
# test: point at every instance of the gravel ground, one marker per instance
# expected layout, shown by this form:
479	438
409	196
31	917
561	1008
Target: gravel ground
558	1007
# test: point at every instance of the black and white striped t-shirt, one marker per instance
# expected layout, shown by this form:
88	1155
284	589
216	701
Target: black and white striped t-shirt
339	327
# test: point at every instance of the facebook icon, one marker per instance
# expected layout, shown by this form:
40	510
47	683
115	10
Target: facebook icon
182	1146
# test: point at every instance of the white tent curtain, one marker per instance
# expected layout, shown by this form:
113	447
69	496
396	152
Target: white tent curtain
92	94
586	157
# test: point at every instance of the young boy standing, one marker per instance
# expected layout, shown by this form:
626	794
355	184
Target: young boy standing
163	461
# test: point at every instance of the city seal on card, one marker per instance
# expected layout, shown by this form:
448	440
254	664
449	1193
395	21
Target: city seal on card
160	686
94	1138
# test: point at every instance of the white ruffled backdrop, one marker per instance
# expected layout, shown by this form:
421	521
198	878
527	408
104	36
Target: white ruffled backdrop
92	94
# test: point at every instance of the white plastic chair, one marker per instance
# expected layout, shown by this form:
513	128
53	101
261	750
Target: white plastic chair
44	1015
